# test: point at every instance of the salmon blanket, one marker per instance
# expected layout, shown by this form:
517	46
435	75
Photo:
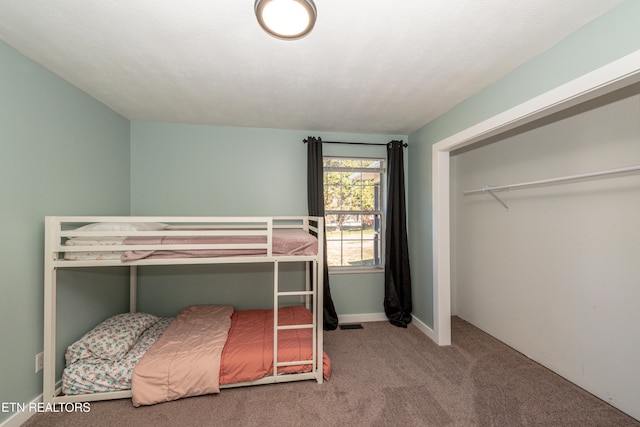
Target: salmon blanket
185	360
248	354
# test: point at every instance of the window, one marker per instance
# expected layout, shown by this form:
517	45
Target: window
353	213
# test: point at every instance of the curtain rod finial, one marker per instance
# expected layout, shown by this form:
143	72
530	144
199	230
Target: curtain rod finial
404	144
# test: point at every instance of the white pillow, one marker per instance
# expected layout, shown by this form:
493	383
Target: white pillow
124	226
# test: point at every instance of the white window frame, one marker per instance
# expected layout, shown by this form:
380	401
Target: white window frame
382	202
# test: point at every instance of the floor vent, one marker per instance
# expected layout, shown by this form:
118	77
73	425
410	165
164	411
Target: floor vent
351	326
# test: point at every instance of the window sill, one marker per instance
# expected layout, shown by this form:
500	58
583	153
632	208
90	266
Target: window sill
355	270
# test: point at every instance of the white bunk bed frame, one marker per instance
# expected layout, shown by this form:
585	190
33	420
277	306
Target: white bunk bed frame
59	228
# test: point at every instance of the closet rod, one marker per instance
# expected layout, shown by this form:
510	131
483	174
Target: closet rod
491	189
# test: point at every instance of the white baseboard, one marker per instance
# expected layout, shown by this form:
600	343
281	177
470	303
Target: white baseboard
20	417
381	317
424	328
365	317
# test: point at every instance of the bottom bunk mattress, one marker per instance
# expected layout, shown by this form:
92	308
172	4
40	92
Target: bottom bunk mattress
106	360
103	359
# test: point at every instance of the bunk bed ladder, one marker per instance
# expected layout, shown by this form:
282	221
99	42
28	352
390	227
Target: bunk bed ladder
315	362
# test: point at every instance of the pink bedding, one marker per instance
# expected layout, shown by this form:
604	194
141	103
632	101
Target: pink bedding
285	242
185	360
248	354
208	346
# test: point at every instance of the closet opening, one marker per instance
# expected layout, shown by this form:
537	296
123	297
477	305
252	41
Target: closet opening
595	87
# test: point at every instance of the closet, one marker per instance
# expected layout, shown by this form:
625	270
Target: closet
553	269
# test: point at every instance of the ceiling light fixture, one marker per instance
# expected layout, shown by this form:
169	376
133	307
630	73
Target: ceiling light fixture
286	19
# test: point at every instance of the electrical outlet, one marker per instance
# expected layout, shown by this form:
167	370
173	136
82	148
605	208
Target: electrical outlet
39	362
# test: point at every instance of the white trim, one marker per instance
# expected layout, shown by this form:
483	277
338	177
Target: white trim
355	270
441	256
423	328
365	317
19	418
613	76
381	317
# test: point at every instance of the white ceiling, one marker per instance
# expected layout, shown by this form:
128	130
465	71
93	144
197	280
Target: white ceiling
369	66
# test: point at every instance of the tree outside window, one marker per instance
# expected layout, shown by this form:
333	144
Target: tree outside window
353	214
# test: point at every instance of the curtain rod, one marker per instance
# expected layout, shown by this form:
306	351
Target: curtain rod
354	143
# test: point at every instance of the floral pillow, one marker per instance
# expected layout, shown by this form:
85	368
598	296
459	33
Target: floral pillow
111	339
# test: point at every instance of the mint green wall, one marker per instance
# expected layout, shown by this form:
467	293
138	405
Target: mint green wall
180	169
604	40
50	133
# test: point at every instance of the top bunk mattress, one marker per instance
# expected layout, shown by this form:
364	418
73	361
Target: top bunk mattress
137	241
285	242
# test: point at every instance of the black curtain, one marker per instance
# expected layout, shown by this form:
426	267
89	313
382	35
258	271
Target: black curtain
397	276
315	187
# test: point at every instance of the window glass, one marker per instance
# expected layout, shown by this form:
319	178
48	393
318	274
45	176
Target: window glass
353	214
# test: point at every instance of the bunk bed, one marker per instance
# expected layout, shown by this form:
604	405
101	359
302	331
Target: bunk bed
78	241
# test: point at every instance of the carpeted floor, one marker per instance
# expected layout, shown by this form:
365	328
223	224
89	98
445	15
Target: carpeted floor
384	376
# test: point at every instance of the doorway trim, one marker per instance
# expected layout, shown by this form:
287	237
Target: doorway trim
611	77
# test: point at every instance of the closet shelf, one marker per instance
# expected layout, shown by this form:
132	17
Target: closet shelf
491	190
